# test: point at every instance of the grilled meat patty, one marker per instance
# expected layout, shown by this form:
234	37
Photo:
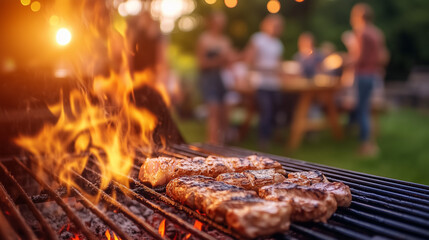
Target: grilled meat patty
307	203
341	192
252	179
241	209
306	178
316	179
159	171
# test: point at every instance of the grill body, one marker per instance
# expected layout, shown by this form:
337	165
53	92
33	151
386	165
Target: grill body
382	208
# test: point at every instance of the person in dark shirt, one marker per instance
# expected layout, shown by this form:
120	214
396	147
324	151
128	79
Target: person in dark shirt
307	56
369	57
213	54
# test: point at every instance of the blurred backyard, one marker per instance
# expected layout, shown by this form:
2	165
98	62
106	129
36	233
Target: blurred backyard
176	25
403	140
403	125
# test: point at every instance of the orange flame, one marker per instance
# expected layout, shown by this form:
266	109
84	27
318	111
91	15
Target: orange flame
161	229
198	225
109	237
101	119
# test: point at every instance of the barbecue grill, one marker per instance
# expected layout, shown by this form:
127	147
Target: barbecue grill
382	208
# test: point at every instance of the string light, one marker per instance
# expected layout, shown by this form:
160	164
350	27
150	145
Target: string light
231	3
273	6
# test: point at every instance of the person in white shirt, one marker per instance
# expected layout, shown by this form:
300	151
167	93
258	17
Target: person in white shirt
264	54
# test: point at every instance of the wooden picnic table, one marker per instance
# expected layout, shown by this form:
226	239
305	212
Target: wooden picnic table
308	92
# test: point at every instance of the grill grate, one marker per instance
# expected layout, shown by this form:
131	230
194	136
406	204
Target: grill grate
382	208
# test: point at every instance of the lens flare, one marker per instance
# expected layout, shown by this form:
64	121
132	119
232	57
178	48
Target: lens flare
54	20
35	6
63	36
25	2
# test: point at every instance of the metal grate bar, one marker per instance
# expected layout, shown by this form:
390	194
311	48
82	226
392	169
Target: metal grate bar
364	176
70	214
405	218
309	232
47	230
6	231
391	184
148	191
372	227
108	199
393	207
185	225
14	213
88	204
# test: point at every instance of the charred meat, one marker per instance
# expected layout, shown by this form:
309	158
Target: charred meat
159	171
308	204
317	180
252	179
341	192
306	178
242	210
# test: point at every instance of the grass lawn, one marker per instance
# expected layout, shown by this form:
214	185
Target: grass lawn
403	142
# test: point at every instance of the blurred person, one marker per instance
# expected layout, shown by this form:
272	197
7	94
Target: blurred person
308	57
264	54
147	47
213	49
369	56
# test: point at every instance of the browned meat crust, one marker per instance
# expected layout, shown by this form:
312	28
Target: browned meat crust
159	171
307	203
252	179
306	178
242	210
316	179
341	192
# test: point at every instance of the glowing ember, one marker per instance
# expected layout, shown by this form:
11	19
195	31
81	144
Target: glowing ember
161	228
198	225
111	236
76	237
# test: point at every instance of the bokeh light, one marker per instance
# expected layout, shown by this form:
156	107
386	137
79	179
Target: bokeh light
299	1
273	6
54	20
332	62
210	1
171	8
231	3
35	6
63	36
25	2
187	23
167	25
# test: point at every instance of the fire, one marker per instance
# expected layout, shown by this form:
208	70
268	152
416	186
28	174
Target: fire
111	236
76	237
198	225
100	119
161	229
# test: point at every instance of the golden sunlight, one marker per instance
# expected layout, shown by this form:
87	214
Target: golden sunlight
63	36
